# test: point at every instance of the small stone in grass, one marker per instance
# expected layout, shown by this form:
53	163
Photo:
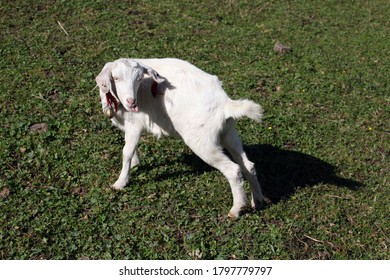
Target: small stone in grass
4	192
282	49
39	127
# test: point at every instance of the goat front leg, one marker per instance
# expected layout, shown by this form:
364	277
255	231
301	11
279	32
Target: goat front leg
130	157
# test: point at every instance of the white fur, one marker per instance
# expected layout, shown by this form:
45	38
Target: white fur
190	105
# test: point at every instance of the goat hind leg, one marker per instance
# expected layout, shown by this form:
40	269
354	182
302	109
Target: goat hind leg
135	161
215	157
232	142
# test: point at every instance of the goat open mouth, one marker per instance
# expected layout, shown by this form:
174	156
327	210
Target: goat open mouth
131	105
134	107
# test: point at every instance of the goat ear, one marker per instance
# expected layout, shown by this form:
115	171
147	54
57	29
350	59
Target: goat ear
156	76
152	73
103	80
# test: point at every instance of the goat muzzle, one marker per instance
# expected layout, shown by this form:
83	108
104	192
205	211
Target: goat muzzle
132	104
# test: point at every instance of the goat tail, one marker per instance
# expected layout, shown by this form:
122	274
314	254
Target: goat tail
237	109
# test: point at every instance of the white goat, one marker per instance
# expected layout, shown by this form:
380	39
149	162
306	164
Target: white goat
178	99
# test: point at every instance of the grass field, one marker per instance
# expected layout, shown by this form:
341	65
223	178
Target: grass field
321	151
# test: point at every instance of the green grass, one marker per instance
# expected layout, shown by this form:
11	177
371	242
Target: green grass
321	150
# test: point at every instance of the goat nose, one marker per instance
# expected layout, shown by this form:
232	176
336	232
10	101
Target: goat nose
130	101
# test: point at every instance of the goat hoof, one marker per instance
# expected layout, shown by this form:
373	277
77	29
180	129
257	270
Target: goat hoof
118	187
260	204
232	216
235	212
257	204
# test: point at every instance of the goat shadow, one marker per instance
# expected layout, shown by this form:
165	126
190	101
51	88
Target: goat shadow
280	172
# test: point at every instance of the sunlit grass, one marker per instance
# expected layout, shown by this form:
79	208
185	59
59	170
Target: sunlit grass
321	151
